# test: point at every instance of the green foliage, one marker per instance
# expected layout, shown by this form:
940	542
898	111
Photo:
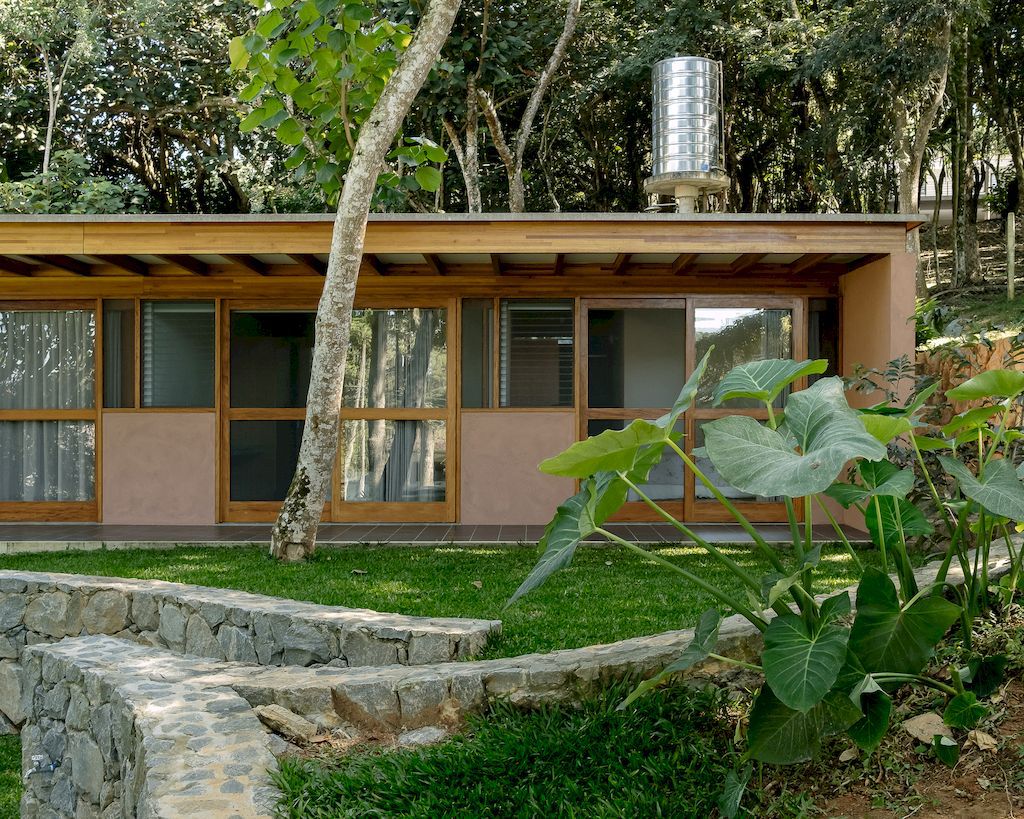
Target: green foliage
666	757
10	777
802	664
70	188
315	70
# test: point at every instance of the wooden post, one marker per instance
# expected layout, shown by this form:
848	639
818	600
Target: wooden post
1011	247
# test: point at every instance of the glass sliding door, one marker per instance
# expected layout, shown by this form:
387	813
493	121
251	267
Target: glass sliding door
740	331
48	440
394	458
636	365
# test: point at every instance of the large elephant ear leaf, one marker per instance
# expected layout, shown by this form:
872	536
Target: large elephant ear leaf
889	638
885	478
885	427
876	706
764	380
780	735
574	520
686	395
800	664
613	450
998	384
820	420
705	637
891	516
999	491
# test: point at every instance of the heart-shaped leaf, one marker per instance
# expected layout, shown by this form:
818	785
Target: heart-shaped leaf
705	637
946	750
879	478
732	795
895	513
972	419
888	638
876	705
764	380
989	384
801	665
781	736
964	711
1000	491
612	450
885	427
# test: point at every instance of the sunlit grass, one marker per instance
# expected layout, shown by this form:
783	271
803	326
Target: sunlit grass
10	777
606	595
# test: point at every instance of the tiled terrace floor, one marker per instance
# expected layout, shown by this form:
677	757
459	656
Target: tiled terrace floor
356	533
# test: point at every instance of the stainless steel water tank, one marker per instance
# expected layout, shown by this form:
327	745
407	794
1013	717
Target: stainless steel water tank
687	117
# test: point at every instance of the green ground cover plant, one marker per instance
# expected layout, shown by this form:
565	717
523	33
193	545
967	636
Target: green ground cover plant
10	777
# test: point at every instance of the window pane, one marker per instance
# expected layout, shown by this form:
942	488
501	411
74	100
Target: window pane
665	481
271	356
536	354
394	461
636	357
823	334
397	358
477	353
178	350
119	354
263	458
47	359
740	335
701	492
47	460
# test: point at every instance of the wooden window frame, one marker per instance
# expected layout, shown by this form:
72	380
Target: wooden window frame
62	511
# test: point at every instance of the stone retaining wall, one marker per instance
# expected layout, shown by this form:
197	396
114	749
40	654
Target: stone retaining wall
108	737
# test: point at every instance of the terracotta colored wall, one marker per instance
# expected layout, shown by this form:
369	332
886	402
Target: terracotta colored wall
500	451
159	468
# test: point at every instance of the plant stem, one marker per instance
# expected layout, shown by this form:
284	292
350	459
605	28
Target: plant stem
733	661
839	531
715	592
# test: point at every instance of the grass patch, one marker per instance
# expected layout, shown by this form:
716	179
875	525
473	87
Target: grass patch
667	757
10	777
607	594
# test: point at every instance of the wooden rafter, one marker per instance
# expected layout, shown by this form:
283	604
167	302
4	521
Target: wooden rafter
15	266
190	263
807	261
682	263
374	263
864	260
619	265
496	268
66	263
559	264
745	262
250	263
435	264
128	264
309	262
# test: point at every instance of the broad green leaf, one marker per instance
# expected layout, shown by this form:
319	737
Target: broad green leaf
888	638
238	53
781	736
821	421
705	637
847	494
612	450
289	132
989	384
880	478
775	584
964	711
895	512
876	705
885	427
984	675
835	607
946	750
686	395
926	444
801	666
428	177
764	380
972	419
732	795
1000	491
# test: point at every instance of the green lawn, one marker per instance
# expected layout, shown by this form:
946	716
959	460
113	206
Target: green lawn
608	594
10	777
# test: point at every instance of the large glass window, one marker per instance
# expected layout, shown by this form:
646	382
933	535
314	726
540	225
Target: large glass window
394	461
823	334
536	353
47	460
477	353
47	359
665	480
397	358
178	353
271	356
263	458
118	354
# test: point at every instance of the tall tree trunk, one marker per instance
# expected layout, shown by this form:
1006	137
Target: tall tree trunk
294	533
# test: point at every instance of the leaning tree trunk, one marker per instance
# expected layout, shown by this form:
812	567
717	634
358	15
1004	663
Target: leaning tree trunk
294	534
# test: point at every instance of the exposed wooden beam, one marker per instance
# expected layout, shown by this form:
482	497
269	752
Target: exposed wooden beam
619	265
496	268
807	261
250	263
559	264
309	262
15	266
190	263
129	264
864	260
745	262
683	263
66	263
374	263
435	264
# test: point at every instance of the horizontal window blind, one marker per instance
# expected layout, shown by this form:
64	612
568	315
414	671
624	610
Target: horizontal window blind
178	350
536	354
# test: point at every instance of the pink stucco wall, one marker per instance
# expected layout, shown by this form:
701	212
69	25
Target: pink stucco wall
500	451
159	468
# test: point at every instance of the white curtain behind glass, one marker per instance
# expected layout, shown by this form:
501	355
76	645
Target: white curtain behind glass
47	362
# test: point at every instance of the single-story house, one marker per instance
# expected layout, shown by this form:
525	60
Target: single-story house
153	369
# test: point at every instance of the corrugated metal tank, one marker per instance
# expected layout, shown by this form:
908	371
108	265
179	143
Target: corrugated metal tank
687	117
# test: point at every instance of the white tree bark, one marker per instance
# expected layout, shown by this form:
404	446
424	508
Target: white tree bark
294	533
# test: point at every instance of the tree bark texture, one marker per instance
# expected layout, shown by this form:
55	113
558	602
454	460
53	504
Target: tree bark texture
294	533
